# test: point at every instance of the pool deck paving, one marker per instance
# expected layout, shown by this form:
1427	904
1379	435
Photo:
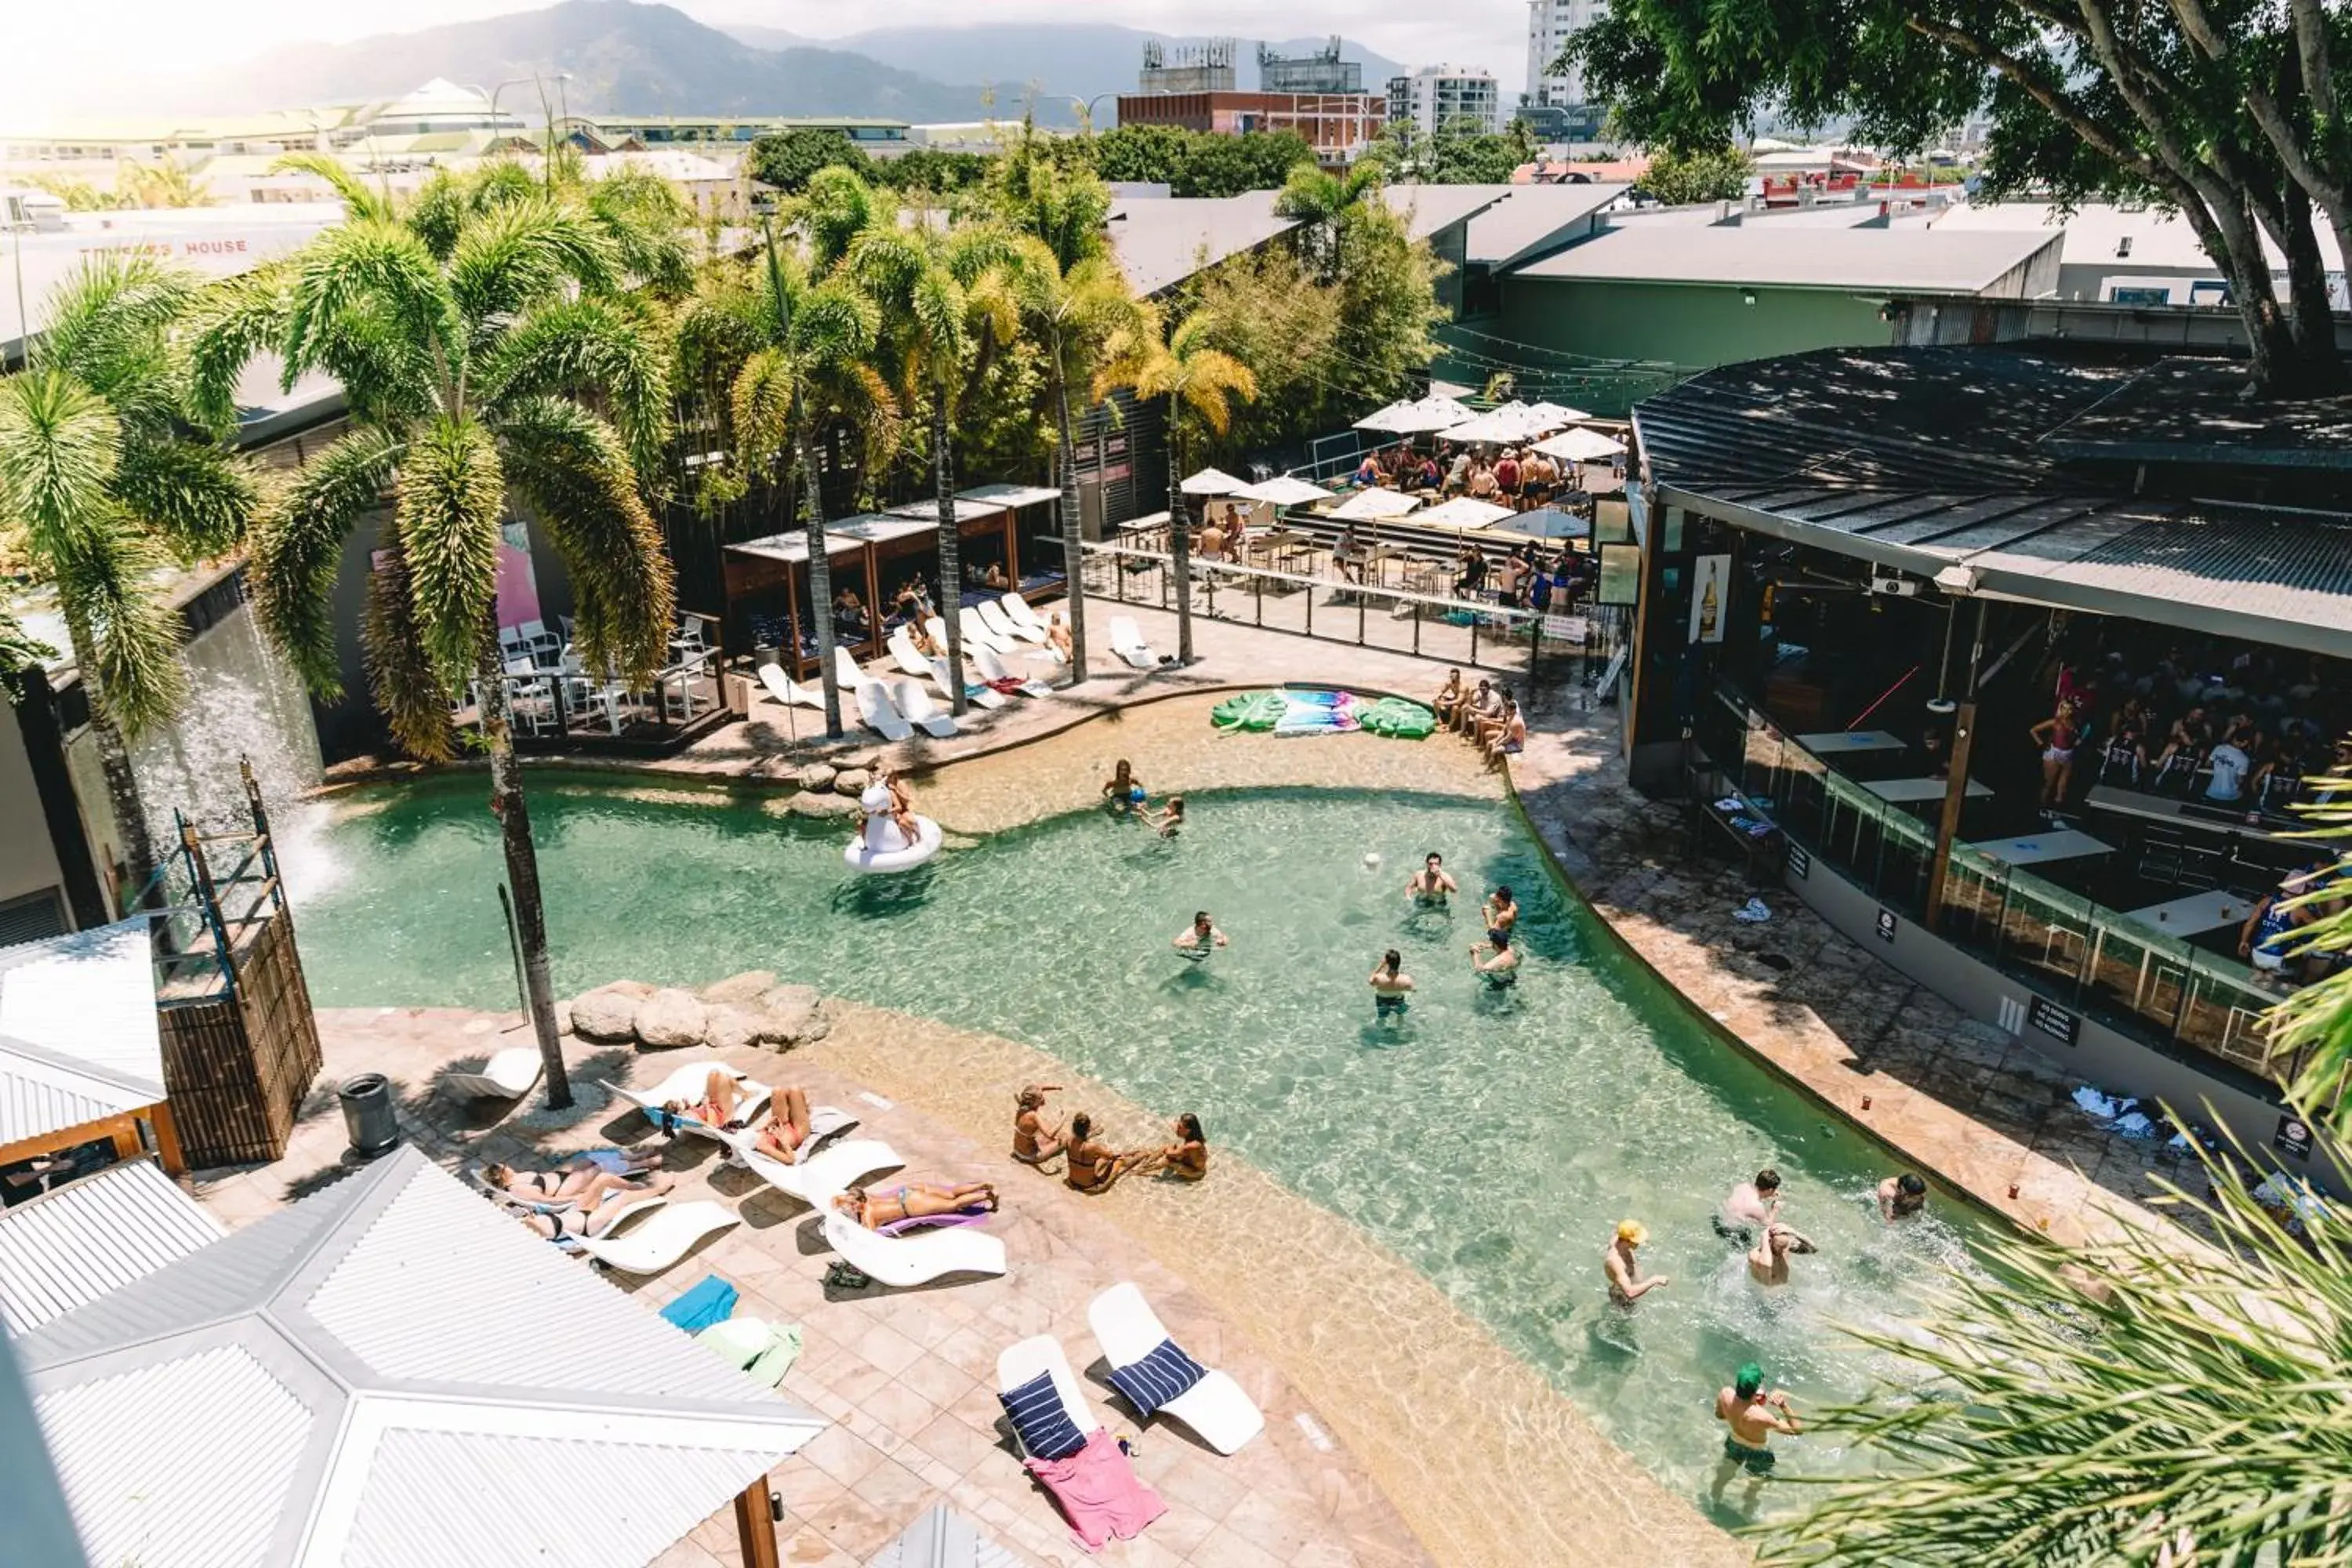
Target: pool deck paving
1399	1430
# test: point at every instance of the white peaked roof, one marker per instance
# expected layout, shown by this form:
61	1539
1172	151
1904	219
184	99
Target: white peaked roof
74	1244
1014	496
391	1374
1581	446
1371	506
967	509
1214	482
78	1036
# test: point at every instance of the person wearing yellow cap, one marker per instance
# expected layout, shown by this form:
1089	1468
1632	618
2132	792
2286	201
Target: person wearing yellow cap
1627	1284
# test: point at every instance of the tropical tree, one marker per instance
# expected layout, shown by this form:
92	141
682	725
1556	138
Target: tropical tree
481	339
1193	377
1704	174
109	474
1321	202
948	295
814	363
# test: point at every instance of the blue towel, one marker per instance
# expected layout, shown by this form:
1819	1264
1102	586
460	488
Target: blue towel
710	1302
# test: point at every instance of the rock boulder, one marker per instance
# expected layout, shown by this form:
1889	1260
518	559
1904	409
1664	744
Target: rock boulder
815	775
790	1016
670	1018
608	1013
813	802
733	1027
852	781
744	987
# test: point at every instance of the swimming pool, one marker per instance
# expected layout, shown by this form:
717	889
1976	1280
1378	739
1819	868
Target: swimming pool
1491	1142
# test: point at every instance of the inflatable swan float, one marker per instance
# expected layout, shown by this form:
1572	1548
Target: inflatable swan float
879	846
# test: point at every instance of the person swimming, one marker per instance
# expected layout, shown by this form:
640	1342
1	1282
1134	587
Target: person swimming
1750	1205
1501	967
1502	913
1197	941
1900	1197
1171	820
1390	986
1429	887
1768	1263
1125	791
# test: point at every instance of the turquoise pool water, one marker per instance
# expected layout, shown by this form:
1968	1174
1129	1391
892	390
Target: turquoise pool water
1493	1142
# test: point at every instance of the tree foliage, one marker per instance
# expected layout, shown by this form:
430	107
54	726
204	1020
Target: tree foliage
2227	110
1458	154
1195	163
1704	174
789	160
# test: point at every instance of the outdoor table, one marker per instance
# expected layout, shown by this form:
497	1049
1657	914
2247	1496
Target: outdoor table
1274	545
1905	791
2036	849
2209	910
1839	743
1376	561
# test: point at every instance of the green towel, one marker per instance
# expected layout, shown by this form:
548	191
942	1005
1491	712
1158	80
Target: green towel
764	1350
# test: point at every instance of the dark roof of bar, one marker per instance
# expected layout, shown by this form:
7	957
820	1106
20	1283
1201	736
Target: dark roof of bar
2004	461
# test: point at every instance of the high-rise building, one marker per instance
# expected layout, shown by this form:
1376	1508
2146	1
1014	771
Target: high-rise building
1446	97
1551	24
1319	96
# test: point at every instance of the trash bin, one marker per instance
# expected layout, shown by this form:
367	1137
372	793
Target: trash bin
368	1120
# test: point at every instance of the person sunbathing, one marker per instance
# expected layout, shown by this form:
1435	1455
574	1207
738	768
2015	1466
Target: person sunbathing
788	1126
924	643
1034	1143
915	1200
1187	1159
590	1219
1510	738
1057	637
723	1099
1092	1167
586	1188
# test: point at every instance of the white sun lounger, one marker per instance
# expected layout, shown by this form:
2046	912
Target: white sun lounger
977	634
874	707
917	1259
655	1244
1007	629
1216	1407
826	1122
1127	642
1017	611
991	668
824	1175
510	1075
785	689
846	672
920	711
979	696
904	654
686	1083
1019	1363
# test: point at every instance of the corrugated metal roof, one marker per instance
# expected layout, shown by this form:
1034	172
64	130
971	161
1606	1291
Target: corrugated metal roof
435	1292
1530	216
185	1462
78	1035
1427	209
1014	496
67	1248
34	1100
1161	240
470	1497
943	1538
402	1316
1906	261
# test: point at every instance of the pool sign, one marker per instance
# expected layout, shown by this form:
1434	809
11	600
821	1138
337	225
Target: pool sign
2292	1137
1801	865
1885	924
2052	1020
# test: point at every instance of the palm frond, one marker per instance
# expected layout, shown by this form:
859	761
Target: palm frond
521	254
453	496
411	697
437	212
197	498
836	324
20	650
298	545
759	406
837	208
59	446
233	321
359	203
126	639
108	326
573	470
646	221
369	269
389	376
500	181
587	347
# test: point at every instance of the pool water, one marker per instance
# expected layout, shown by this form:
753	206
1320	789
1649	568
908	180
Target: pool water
1493	1140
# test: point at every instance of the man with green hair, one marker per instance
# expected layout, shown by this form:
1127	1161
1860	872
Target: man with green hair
1753	1416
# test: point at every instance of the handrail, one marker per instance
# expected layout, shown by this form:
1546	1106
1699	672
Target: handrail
1267	573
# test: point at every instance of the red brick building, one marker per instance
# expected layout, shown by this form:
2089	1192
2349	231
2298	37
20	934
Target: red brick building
1339	125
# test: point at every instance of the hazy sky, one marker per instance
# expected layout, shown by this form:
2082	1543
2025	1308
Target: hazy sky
77	55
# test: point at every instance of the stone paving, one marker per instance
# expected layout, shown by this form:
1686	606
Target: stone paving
907	1378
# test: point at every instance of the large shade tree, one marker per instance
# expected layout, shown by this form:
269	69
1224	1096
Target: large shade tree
2229	111
487	352
109	470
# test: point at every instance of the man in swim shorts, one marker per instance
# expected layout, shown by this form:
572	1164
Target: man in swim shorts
1750	1205
1753	1416
1429	887
1197	941
1627	1283
1390	984
1501	912
1501	967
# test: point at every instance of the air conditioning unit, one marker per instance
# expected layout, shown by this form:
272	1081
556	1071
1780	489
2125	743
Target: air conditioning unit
1896	584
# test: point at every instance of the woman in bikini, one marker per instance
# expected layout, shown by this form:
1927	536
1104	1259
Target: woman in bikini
1092	1167
721	1102
1187	1159
1034	1143
788	1126
2057	736
586	1218
915	1200
586	1188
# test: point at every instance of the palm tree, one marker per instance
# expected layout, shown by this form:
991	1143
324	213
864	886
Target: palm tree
20	650
948	295
1195	378
109	473
485	354
1321	202
814	364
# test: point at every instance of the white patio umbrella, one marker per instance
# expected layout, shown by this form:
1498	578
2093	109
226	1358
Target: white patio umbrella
1503	421
1464	511
1552	416
1441	413
1391	420
1284	490
1581	446
1214	482
1546	522
1371	506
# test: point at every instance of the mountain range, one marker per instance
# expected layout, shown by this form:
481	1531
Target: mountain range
626	58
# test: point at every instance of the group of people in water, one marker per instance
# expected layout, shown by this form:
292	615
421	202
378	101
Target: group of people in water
1128	797
1495	960
1750	1218
1091	1165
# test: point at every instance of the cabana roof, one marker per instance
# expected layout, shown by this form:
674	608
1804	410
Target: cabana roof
377	1372
76	1243
966	510
78	1038
1012	496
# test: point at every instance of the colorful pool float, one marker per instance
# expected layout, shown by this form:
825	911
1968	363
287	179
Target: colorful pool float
1319	712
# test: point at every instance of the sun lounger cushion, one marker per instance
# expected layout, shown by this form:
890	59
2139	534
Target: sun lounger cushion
933	1221
1036	1412
1166	1374
1098	1492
